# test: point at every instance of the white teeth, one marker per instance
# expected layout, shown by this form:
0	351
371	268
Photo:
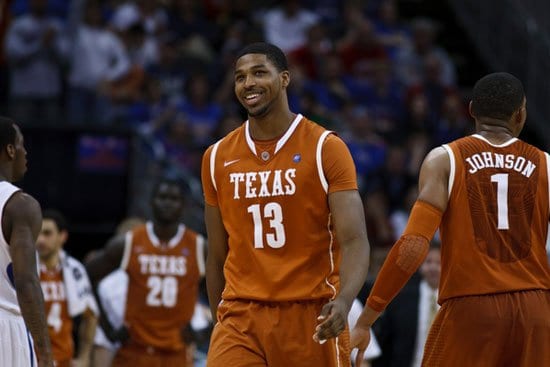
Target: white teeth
252	96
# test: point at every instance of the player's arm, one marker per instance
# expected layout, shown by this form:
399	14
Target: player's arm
86	333
98	267
23	220
408	253
348	218
351	232
217	253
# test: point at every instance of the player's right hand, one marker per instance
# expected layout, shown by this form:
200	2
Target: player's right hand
360	339
117	335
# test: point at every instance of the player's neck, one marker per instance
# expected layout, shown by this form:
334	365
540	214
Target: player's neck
51	262
165	232
271	126
495	132
4	176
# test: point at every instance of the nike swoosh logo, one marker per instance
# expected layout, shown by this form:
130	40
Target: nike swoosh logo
228	163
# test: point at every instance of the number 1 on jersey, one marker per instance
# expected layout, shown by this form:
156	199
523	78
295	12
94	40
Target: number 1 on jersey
274	213
502	199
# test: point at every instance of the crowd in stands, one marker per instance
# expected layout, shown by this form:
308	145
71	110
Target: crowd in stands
162	68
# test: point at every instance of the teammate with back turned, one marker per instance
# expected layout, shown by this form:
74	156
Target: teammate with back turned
489	195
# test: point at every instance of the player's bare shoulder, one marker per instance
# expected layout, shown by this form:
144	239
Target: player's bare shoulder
21	209
437	161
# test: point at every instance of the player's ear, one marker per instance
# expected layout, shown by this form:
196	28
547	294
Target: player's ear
285	77
470	110
10	150
64	235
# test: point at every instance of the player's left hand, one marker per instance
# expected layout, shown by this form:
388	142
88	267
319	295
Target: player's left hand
332	320
360	339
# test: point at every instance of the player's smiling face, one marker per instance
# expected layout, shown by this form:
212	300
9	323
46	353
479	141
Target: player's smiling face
258	83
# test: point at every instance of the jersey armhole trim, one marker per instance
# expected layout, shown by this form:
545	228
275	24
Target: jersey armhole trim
548	176
6	240
319	159
212	164
452	171
127	250
200	255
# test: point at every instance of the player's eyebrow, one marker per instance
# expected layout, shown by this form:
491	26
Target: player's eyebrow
257	66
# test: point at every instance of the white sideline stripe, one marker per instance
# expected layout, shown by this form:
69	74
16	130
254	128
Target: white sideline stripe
453	168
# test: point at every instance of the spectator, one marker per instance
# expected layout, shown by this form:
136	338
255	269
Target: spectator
410	60
98	60
36	50
360	46
201	115
286	26
389	29
311	55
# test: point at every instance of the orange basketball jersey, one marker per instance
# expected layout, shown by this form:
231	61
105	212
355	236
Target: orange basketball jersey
495	227
60	324
273	198
163	285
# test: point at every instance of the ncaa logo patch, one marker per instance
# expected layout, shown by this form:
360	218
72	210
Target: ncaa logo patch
297	158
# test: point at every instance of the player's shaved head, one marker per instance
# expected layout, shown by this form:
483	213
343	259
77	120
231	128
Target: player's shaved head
497	96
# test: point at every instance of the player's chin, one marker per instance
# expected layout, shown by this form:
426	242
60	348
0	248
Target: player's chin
257	111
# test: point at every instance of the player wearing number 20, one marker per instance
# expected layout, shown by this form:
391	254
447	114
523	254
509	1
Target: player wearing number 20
489	195
164	261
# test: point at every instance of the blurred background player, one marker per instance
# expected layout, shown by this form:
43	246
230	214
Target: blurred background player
111	292
67	294
164	261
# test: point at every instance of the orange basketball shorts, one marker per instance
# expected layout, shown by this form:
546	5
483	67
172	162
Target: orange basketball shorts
255	334
506	329
133	355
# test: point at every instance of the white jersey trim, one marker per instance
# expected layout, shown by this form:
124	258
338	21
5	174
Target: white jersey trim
337	345
280	143
200	255
9	192
173	242
452	171
288	133
127	250
213	164
331	257
548	176
249	140
319	159
548	179
505	144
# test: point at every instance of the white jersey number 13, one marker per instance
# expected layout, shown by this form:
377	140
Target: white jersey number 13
275	238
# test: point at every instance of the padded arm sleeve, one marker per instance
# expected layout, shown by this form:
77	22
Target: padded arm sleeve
406	255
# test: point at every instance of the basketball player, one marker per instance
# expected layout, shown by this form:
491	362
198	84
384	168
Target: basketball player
489	195
164	261
67	294
21	300
288	249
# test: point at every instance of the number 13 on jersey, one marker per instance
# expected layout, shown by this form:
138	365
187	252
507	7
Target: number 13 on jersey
275	235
